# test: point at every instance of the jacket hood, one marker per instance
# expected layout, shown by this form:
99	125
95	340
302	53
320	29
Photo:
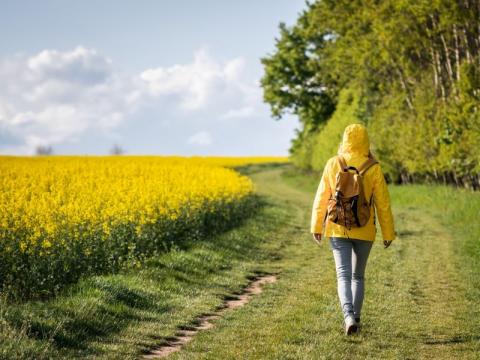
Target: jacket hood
355	140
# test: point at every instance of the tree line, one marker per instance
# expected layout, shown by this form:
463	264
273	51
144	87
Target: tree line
408	70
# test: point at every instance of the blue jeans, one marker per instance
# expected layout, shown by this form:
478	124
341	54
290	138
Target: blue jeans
350	261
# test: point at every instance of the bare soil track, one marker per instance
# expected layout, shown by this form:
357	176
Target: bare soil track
204	321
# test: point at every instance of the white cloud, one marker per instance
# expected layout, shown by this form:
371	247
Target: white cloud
81	65
52	97
202	138
243	112
56	96
199	84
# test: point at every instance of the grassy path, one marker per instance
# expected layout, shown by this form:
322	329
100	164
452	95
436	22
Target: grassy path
416	306
422	293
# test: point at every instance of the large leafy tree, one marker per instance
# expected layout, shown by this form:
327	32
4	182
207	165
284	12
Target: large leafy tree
295	81
413	65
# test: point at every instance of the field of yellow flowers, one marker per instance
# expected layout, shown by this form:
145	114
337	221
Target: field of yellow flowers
65	217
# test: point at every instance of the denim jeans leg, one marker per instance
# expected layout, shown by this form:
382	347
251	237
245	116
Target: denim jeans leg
342	253
361	250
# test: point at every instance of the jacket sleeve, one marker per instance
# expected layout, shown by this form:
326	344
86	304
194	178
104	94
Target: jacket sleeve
320	203
381	199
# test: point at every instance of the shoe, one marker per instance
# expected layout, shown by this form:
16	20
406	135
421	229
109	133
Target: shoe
351	326
357	320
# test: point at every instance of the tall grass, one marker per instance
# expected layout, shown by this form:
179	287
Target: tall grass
458	209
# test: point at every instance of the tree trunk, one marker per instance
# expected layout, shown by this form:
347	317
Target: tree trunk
448	64
404	84
467	45
457	52
439	71
435	73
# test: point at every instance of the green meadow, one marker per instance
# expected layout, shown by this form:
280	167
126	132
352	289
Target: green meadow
421	299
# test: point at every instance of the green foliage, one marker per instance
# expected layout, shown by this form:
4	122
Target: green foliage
413	68
302	150
327	140
294	80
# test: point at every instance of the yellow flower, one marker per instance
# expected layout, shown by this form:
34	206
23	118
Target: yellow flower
23	246
46	244
69	198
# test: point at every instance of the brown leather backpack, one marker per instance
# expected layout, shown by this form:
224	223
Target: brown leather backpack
348	206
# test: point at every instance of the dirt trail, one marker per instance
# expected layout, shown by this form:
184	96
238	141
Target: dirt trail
205	320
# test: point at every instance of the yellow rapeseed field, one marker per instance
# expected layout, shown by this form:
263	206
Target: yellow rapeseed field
62	217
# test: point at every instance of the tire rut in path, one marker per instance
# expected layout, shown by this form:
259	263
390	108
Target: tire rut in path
183	336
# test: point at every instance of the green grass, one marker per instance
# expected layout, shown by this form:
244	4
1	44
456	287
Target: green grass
421	298
421	301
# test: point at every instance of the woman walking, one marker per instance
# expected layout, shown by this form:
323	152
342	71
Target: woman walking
351	189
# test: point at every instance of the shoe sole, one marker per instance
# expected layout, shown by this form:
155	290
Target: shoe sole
351	329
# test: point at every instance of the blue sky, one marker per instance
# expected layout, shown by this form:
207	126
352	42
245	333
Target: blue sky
156	77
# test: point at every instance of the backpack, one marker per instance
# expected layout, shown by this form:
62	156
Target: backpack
349	207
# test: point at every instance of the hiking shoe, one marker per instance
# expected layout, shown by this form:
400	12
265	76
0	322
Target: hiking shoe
351	326
357	320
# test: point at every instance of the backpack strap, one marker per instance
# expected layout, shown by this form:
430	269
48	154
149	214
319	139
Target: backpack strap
366	165
342	162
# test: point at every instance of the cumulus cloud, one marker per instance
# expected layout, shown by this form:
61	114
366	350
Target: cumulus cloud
199	84
80	65
56	96
202	138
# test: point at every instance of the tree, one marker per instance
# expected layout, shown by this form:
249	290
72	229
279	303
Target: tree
117	150
414	67
293	81
43	150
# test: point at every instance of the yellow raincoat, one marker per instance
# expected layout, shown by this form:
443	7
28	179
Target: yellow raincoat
355	149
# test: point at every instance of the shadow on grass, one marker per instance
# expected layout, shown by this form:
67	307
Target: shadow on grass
460	338
255	168
410	233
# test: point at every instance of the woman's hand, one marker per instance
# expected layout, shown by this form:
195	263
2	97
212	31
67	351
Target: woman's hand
317	238
386	243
